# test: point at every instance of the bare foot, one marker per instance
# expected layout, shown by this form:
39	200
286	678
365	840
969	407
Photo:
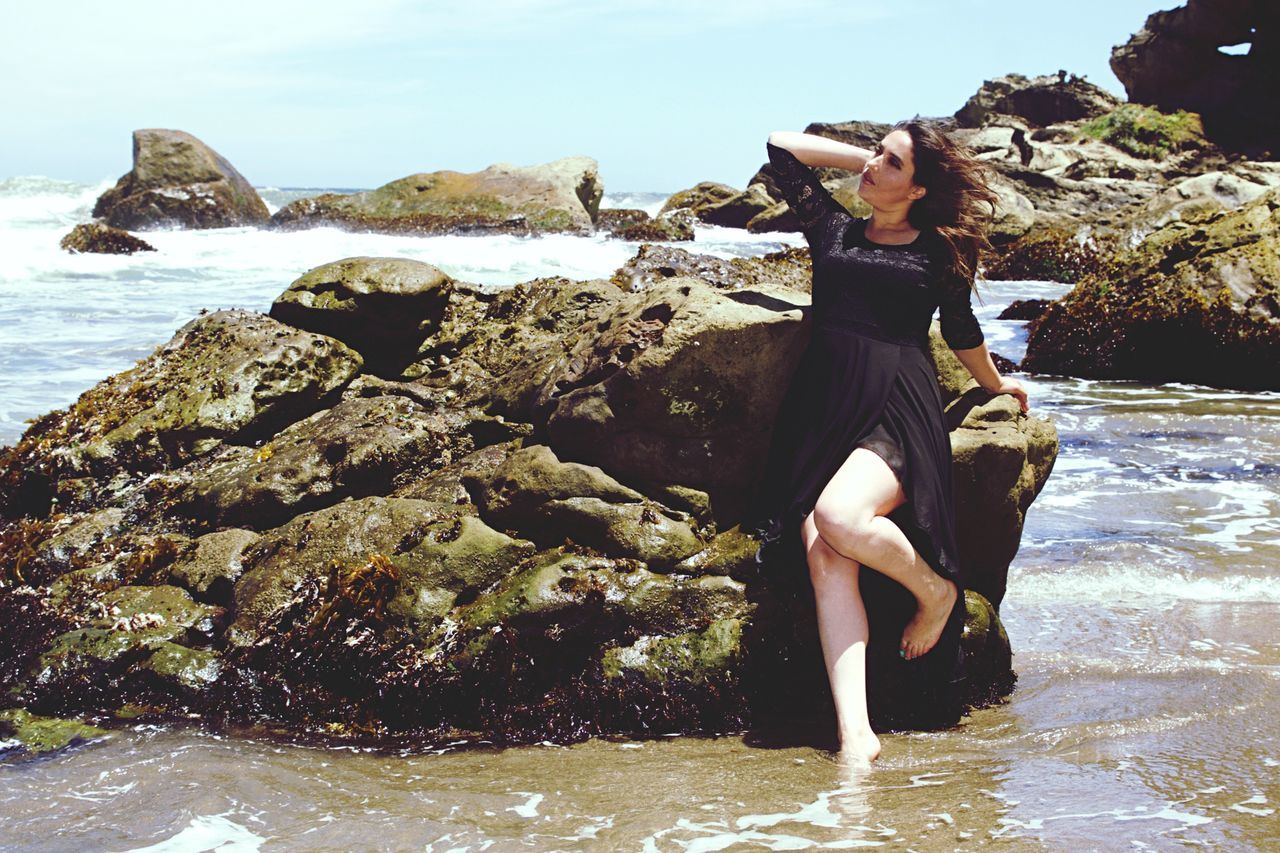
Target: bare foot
859	748
924	629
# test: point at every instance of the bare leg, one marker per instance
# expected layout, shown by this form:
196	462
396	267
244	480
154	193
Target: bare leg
849	517
842	628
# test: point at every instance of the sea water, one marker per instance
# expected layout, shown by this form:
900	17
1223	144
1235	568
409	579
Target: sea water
1141	607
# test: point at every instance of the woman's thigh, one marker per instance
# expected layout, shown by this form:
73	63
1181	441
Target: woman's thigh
864	486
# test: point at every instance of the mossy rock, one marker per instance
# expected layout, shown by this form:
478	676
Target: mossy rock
384	308
192	670
1047	254
1145	131
226	374
209	567
25	736
692	657
1196	301
560	196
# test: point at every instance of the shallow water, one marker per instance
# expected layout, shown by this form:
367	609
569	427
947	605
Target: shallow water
1141	608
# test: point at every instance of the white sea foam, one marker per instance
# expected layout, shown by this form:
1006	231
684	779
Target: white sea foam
208	832
1138	586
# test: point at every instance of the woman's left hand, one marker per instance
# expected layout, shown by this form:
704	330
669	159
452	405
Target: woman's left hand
1012	386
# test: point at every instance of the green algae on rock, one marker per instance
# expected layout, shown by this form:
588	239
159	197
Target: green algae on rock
24	735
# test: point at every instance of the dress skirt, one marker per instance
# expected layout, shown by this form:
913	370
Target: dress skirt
853	387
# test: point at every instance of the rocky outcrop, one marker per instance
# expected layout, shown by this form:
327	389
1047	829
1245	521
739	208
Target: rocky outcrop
1052	253
229	375
530	532
1196	301
103	239
1040	101
704	196
652	264
1068	176
1176	61
179	182
627	224
562	196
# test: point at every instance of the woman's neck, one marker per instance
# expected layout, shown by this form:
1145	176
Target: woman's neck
890	222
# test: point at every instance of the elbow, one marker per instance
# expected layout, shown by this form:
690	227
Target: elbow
964	342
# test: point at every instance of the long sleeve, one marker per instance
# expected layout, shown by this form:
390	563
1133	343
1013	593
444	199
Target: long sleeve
805	194
960	328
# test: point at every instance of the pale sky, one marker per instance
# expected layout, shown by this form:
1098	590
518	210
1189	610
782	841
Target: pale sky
662	93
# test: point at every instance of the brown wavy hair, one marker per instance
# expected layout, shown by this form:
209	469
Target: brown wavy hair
959	191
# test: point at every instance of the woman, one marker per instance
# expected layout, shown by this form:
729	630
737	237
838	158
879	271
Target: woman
860	434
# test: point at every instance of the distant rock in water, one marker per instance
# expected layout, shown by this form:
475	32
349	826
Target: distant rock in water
629	224
103	239
1024	309
558	197
1196	301
1175	62
178	181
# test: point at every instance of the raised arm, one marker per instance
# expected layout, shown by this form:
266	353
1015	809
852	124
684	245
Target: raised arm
814	150
811	202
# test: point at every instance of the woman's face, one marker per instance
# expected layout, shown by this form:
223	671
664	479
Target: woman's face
887	177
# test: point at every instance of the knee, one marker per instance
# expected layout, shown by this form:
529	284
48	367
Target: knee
844	529
827	565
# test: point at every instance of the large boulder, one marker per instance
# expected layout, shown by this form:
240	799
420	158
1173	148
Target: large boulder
653	264
637	225
659	392
703	196
1175	62
531	533
179	182
562	196
384	308
1196	301
489	340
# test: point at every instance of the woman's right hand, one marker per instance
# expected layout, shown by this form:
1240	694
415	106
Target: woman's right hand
1008	385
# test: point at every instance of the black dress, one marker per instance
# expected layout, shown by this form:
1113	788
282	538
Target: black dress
865	378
